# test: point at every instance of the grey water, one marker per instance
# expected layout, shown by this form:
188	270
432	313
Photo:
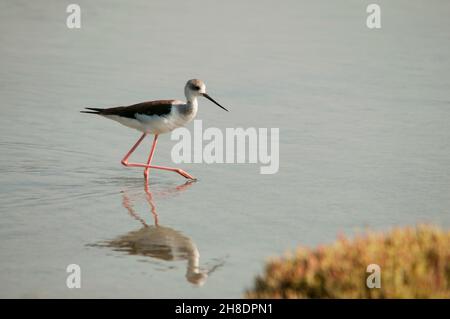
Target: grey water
363	114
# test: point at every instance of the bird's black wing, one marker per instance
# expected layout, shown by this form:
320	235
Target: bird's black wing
160	108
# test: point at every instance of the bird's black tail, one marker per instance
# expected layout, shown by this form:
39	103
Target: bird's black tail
94	109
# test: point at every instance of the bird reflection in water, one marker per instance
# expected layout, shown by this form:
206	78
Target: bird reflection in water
161	242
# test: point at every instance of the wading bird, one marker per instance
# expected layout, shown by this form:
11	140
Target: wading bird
157	117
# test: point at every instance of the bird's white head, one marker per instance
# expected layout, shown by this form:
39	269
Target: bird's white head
195	88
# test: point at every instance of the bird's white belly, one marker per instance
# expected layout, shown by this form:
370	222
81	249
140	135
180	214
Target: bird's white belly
132	123
153	124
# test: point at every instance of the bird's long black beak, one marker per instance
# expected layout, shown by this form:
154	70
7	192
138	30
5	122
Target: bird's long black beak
212	100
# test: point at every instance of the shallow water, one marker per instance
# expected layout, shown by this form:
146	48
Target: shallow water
364	138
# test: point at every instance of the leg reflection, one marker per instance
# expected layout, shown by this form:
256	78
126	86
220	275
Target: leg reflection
161	242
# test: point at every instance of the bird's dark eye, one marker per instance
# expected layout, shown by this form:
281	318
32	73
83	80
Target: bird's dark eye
195	87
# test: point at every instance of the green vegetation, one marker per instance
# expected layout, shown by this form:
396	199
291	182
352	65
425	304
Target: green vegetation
414	262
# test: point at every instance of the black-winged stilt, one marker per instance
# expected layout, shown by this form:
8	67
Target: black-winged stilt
157	117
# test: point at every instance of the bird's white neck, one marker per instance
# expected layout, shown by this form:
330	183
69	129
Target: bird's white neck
192	100
192	104
188	110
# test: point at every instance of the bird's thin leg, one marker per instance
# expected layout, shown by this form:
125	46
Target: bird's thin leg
149	161
124	161
150	157
172	169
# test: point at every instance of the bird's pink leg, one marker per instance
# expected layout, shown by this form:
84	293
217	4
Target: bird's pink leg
173	169
150	157
148	166
176	170
124	161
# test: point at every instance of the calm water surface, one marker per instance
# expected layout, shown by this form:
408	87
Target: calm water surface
364	138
